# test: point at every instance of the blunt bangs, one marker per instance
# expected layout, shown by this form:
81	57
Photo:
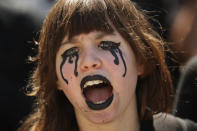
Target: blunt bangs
85	17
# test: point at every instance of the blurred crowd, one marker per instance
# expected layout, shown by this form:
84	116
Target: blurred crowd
20	22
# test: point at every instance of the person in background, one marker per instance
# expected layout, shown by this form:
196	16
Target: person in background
184	31
184	37
184	104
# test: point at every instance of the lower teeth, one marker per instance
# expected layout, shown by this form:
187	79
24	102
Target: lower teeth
99	102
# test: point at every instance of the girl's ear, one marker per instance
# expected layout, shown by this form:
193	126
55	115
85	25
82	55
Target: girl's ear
140	69
58	85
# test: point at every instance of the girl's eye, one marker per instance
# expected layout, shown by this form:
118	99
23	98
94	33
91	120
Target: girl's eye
71	52
106	45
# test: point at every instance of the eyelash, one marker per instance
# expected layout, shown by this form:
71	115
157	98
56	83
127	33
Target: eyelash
71	51
108	45
105	45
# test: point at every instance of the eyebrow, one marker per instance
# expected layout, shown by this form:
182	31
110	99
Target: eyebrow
69	41
98	36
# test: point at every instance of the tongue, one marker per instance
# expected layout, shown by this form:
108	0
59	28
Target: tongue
97	94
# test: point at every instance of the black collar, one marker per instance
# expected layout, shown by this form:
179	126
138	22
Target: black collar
147	125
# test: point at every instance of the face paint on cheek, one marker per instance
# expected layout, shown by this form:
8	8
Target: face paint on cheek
114	49
69	54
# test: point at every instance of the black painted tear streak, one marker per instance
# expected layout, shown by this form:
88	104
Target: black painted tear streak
70	54
114	49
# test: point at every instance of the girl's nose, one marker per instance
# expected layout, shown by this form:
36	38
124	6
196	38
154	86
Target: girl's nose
90	61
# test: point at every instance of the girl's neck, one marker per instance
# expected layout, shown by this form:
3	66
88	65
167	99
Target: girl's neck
127	121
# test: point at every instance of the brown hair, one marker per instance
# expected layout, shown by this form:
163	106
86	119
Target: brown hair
71	17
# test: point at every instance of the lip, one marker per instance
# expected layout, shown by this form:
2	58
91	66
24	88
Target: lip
100	106
94	77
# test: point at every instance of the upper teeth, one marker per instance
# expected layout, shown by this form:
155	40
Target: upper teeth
93	82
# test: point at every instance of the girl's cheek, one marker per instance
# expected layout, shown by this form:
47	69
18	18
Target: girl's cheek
109	61
68	72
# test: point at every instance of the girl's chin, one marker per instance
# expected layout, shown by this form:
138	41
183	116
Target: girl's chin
101	118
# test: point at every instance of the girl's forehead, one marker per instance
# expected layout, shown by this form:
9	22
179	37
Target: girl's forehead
93	34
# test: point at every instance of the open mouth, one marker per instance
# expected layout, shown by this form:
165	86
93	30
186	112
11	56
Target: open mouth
97	91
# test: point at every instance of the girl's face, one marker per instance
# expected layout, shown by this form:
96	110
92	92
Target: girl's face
98	74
